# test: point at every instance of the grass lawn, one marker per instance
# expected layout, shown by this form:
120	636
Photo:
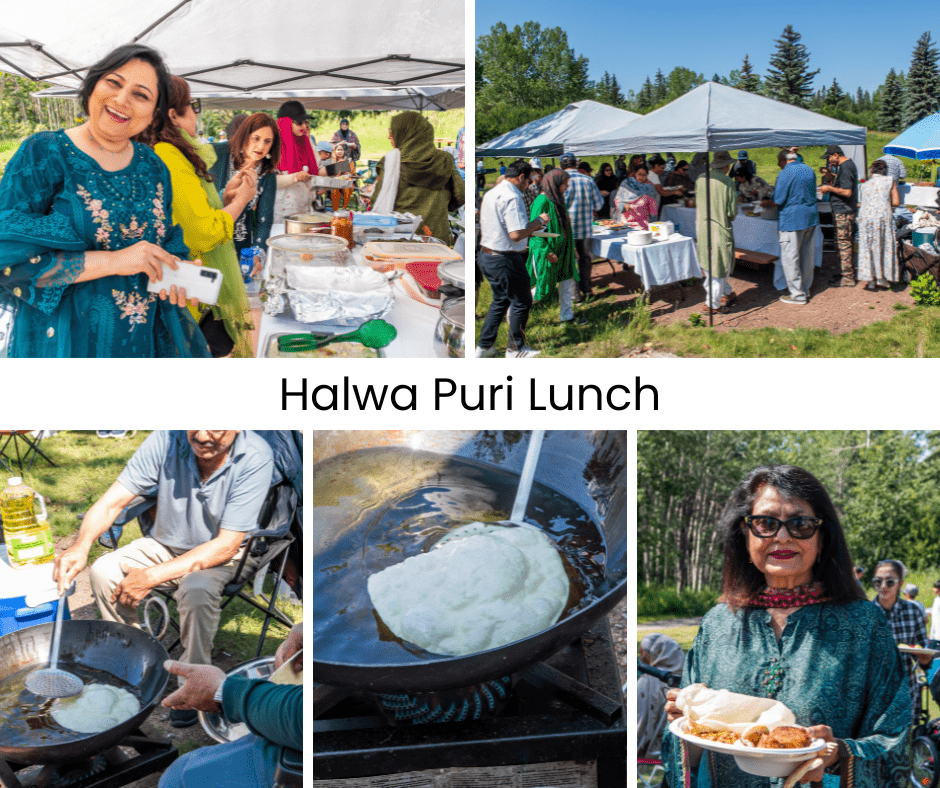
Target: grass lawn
616	328
87	466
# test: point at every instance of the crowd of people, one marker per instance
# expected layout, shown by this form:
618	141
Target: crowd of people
90	215
634	191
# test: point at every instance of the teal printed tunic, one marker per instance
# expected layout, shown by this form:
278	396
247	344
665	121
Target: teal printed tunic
56	203
835	665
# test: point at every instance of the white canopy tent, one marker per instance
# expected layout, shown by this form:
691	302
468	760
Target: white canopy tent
548	136
438	97
716	117
241	45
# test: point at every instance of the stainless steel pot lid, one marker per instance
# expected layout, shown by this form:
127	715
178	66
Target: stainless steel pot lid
453	272
452	310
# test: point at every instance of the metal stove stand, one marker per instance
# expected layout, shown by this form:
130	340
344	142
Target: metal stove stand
567	708
111	769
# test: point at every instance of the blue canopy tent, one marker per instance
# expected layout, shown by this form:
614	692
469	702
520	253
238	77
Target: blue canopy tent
547	136
920	141
715	117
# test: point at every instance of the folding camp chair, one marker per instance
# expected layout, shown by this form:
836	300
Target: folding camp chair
268	542
29	444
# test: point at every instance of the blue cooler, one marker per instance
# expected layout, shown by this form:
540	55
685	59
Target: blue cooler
33	581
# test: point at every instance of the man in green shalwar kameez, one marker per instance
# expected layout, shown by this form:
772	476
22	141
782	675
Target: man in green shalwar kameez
723	207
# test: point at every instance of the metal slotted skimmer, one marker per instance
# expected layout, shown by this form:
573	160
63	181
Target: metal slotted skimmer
53	682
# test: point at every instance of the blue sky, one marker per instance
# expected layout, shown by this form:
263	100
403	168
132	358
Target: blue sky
855	43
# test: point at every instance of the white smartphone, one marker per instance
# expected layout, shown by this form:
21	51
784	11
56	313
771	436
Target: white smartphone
200	282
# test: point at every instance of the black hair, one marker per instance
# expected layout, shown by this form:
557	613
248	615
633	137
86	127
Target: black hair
741	580
681	163
518	168
655	161
896	566
879	167
119	57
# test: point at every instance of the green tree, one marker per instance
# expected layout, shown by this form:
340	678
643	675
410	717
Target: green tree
749	79
923	81
644	100
659	87
789	78
680	81
891	113
529	66
835	97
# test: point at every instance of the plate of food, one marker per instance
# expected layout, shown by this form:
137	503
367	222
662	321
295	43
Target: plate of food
761	734
611	224
917	651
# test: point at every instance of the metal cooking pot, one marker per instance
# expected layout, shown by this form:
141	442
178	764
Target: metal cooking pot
128	653
587	468
449	333
217	725
300	223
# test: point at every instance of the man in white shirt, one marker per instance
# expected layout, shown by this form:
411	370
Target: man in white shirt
504	232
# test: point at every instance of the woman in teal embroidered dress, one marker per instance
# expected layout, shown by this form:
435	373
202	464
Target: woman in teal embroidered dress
84	225
794	624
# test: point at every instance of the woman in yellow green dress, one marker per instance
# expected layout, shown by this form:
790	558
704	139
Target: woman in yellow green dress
551	260
207	225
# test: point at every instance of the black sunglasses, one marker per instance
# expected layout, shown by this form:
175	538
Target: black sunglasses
887	582
764	526
196	104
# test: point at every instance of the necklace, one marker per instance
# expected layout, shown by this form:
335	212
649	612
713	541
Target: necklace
103	148
809	594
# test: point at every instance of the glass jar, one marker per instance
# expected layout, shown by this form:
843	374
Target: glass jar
342	226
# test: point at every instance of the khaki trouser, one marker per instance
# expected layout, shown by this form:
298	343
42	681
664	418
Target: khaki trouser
197	594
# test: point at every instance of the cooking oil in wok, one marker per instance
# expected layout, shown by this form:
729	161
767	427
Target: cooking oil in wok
26	719
377	507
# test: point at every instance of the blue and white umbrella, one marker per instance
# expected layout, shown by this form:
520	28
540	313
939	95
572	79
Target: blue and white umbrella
920	141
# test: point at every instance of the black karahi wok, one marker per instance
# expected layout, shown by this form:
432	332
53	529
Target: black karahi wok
588	468
129	654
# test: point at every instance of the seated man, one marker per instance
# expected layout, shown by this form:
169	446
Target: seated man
273	713
210	486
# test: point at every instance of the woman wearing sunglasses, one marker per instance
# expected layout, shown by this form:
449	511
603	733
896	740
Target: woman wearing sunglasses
208	226
905	618
793	624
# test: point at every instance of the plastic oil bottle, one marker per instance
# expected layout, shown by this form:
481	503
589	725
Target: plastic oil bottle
28	535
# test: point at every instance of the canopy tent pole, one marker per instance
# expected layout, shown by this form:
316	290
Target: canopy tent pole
708	236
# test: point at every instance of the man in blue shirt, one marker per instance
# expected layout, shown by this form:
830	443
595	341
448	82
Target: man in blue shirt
795	197
210	486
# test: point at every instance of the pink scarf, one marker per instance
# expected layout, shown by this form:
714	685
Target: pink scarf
295	151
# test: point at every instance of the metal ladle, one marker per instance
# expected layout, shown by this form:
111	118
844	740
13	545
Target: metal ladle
53	682
373	334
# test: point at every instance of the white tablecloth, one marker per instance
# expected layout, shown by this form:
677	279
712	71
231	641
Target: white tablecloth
658	263
918	195
750	232
414	321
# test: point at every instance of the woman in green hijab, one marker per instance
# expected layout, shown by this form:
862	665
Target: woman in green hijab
418	178
207	225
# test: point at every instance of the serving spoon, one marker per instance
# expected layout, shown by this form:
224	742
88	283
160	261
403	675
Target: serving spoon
53	682
373	334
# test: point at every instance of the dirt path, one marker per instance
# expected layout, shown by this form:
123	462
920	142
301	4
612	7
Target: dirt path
835	309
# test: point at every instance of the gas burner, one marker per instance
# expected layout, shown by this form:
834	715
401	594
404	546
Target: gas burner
134	757
467	703
69	773
558	714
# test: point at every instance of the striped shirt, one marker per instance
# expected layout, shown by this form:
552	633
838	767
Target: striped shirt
908	626
582	199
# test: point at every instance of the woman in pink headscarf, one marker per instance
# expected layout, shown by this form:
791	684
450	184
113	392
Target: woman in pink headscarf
297	164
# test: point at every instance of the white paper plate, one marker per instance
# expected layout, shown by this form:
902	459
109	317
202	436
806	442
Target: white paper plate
917	651
753	760
543	234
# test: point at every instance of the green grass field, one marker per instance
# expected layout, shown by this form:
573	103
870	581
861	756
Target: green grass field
372	131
